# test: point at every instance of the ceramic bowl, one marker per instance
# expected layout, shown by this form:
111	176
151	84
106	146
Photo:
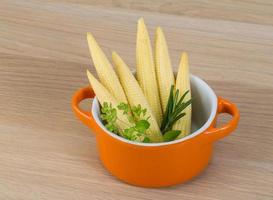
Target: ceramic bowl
167	163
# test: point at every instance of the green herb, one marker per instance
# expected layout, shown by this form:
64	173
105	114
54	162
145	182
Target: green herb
174	110
139	112
124	107
138	126
139	122
171	135
109	116
142	125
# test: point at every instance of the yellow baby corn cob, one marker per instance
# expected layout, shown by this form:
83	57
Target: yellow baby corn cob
104	95
164	72
146	70
135	95
183	84
105	70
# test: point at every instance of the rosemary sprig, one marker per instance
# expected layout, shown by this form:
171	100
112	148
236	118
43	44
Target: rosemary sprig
174	110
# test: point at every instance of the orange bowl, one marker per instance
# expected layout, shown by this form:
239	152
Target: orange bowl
161	164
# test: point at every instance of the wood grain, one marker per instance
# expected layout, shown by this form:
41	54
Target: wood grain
46	153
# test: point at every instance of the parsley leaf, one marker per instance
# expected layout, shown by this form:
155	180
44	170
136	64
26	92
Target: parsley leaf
136	115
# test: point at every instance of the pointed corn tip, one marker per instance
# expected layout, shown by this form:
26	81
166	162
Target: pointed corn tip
159	30
141	24
89	35
184	61
90	75
114	54
159	34
116	59
140	20
92	79
184	56
91	39
142	30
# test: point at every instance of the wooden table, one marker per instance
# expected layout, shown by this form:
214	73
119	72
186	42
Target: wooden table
45	153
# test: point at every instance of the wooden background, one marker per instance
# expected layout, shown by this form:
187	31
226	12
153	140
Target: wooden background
45	153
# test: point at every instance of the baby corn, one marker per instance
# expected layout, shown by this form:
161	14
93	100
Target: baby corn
105	70
146	74
135	95
183	84
104	95
164	72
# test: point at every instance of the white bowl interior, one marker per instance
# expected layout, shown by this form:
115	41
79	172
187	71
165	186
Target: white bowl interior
204	108
204	104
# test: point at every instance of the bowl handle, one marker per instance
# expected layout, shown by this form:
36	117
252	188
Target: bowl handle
85	116
224	106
